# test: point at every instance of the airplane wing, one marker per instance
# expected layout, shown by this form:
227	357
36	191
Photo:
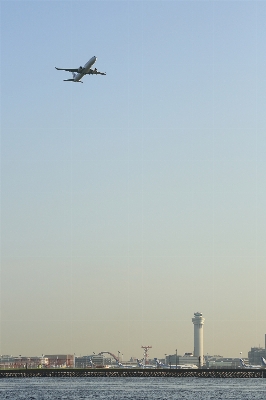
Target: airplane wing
95	72
69	70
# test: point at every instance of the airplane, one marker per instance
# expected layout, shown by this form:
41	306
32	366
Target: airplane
120	365
141	365
243	365
159	364
263	361
78	73
91	363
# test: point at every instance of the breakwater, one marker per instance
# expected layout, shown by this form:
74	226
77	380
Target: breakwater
132	372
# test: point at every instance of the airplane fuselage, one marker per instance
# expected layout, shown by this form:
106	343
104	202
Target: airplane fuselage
85	69
78	73
243	365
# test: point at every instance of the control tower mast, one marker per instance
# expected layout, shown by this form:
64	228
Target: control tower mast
198	322
146	353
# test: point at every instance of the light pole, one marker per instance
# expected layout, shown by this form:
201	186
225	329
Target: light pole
175	358
165	359
118	352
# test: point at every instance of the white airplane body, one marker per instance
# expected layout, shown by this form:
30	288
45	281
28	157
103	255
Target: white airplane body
141	365
243	365
91	362
120	365
159	364
263	361
78	73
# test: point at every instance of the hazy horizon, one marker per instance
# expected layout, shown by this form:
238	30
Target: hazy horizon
137	198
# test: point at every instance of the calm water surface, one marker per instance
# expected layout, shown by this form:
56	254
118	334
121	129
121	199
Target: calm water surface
131	388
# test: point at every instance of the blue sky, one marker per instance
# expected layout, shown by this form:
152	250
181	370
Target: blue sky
137	188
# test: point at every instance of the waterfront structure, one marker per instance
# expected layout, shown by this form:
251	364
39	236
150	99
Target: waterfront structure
255	354
8	361
220	362
186	359
92	361
134	373
198	322
60	360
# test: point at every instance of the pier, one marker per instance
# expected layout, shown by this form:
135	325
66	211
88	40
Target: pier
132	373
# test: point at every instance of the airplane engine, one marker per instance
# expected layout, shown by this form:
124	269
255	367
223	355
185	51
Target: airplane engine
80	69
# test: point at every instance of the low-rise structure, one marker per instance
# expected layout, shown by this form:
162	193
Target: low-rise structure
8	361
60	360
91	361
218	361
255	354
187	358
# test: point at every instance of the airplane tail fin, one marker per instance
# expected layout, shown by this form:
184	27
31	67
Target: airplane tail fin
242	362
73	74
263	361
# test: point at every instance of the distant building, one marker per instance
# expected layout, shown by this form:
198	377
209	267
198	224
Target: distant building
220	362
22	362
60	360
100	359
83	362
255	354
172	359
7	361
94	360
187	358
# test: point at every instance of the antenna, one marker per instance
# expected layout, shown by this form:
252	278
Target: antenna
146	353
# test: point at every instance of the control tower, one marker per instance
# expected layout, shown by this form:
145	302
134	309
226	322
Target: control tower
198	322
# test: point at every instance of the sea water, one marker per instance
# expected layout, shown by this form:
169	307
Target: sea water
131	388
